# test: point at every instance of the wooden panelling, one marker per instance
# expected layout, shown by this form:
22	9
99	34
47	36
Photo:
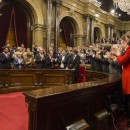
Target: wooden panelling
16	80
57	107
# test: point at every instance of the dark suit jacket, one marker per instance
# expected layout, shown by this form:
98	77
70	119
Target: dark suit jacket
74	62
40	64
49	64
65	60
5	61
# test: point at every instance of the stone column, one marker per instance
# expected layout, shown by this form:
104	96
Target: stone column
111	34
56	34
92	31
108	31
38	34
87	30
79	40
49	17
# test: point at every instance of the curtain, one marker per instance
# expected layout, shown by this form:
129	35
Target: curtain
66	31
5	21
20	25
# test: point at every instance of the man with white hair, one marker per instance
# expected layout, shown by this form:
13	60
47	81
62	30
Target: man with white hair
40	59
19	62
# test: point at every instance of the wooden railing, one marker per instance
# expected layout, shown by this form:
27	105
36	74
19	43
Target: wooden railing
16	80
57	107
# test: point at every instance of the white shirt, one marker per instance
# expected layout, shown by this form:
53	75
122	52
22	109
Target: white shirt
63	58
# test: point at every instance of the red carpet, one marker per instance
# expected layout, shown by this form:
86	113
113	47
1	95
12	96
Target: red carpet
13	112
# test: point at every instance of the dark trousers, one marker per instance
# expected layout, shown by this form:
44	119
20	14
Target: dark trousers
76	77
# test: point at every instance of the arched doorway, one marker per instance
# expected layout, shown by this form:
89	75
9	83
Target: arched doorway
15	24
97	35
67	32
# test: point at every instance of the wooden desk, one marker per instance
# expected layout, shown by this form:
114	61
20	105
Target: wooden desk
21	78
16	80
57	77
57	107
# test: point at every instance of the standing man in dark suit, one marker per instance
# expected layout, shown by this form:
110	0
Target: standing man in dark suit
51	61
73	63
5	58
40	59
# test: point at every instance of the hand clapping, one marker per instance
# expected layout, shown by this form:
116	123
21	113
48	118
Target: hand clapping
118	53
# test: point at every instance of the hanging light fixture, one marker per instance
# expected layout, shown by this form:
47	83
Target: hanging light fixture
124	5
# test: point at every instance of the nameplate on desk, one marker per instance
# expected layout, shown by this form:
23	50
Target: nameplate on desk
79	125
102	114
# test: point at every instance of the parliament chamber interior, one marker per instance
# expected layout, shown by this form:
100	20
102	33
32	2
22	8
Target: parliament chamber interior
64	65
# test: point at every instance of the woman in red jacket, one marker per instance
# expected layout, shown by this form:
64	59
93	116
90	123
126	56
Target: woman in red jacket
125	62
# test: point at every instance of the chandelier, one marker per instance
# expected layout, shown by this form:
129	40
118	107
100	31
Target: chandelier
124	5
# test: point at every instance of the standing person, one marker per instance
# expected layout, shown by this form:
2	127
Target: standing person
29	61
5	58
51	61
19	62
63	60
73	63
125	62
40	59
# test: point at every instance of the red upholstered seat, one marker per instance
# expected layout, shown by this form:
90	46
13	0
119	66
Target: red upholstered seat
82	75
